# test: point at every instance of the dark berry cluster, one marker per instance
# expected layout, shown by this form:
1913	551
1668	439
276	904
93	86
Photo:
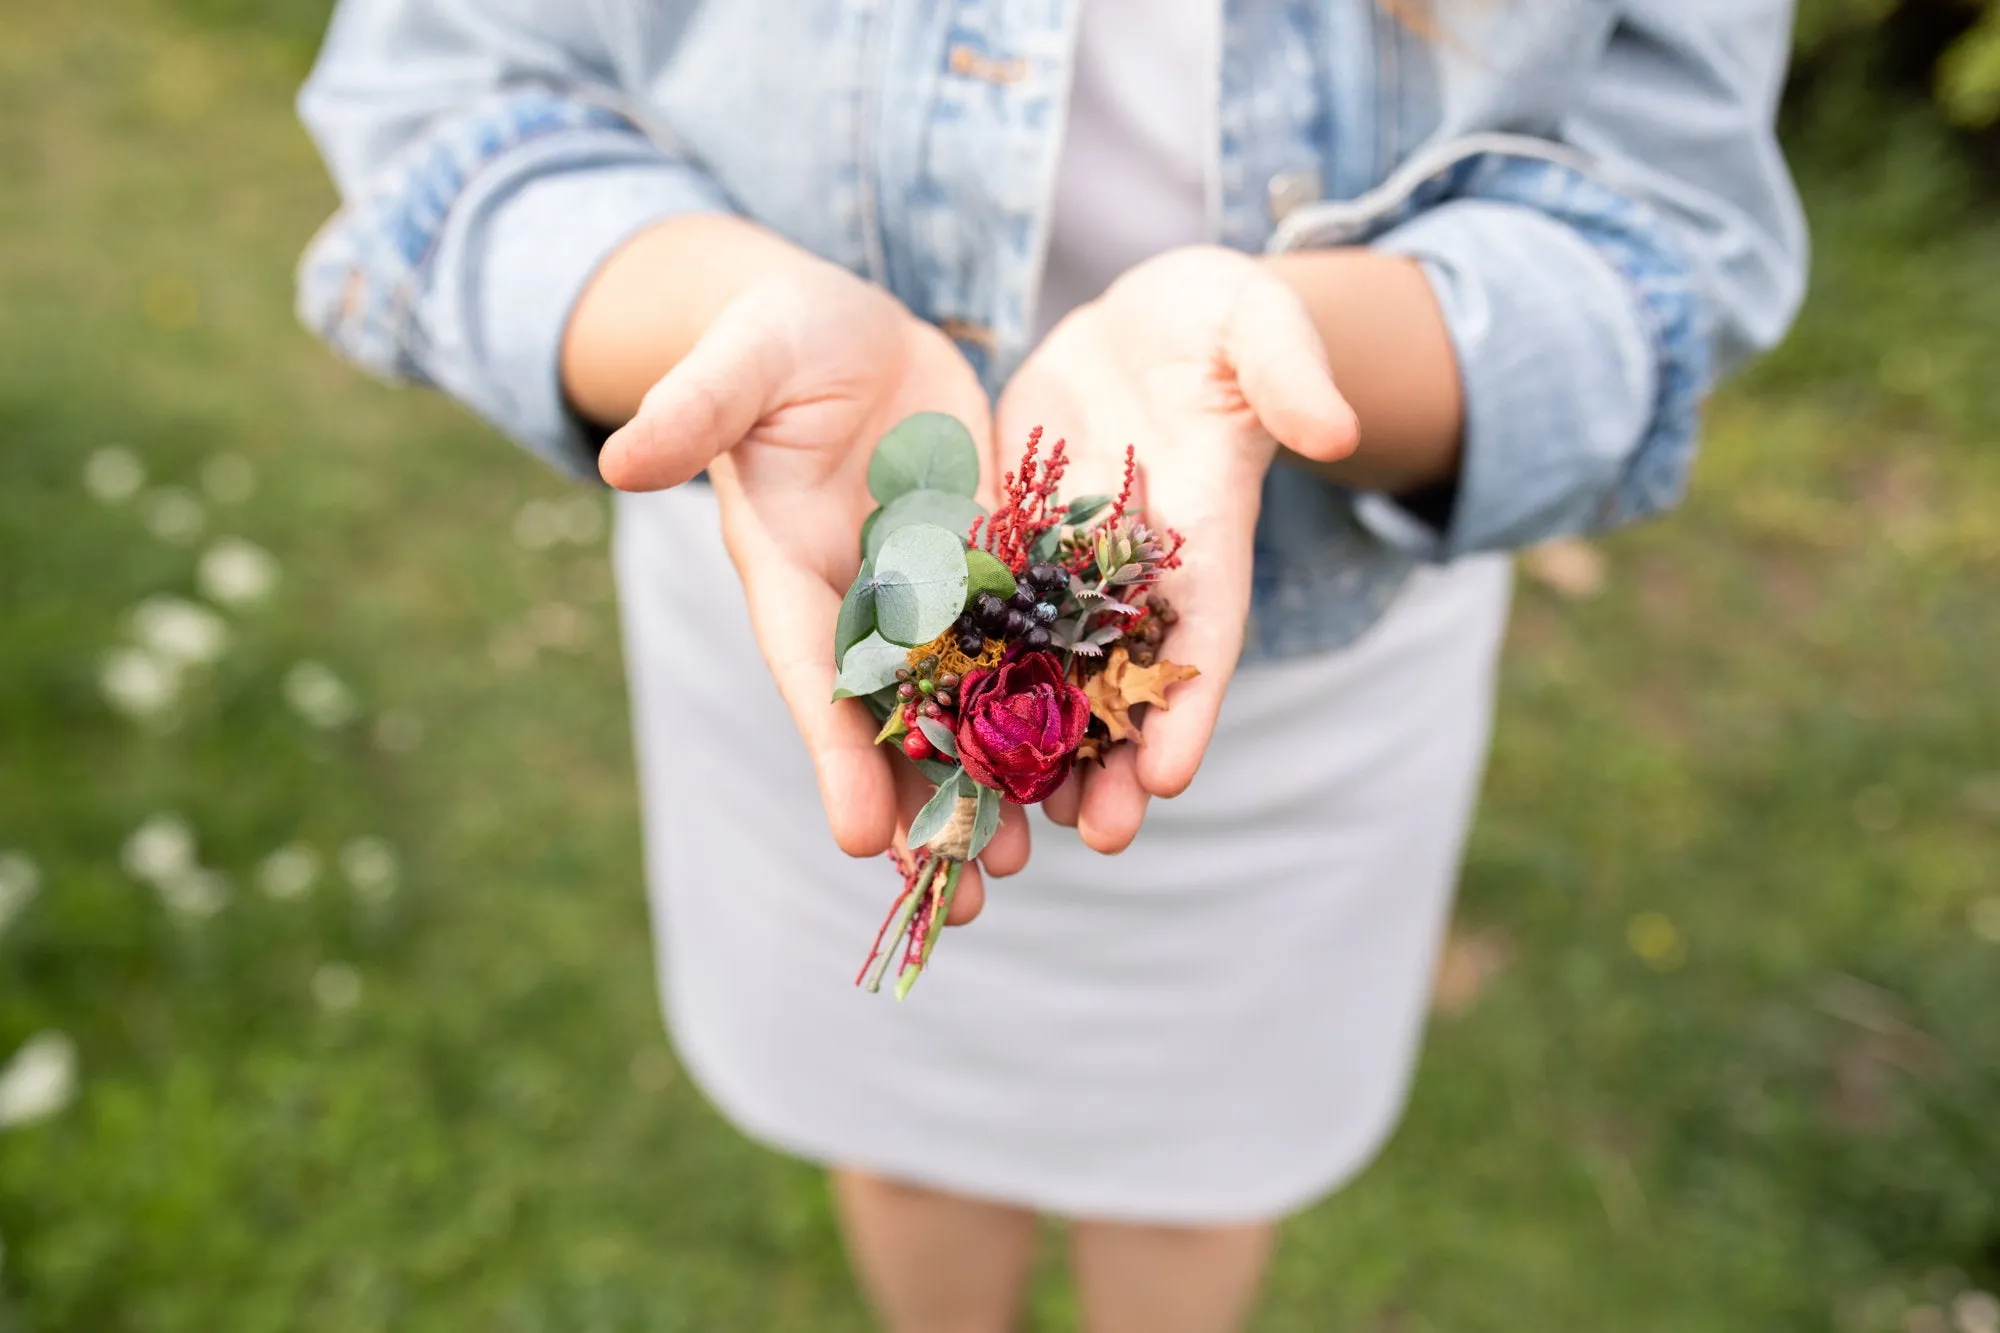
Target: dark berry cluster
925	693
1023	618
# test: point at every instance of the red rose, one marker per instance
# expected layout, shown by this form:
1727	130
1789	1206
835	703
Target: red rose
1019	726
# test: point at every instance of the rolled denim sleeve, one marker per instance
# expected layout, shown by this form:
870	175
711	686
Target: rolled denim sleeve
487	172
1594	294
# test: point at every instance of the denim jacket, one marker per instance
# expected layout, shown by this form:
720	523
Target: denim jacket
1592	187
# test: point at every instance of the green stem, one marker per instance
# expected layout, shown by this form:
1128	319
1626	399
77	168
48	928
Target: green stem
939	911
893	937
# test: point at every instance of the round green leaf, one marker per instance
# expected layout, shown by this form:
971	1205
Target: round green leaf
868	527
869	665
919	584
984	572
857	615
943	508
929	451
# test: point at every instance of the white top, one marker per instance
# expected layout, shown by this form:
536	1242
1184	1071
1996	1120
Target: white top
1132	180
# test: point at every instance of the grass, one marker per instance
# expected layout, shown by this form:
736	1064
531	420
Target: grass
1740	1068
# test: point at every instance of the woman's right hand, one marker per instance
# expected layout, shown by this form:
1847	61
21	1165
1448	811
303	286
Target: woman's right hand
781	400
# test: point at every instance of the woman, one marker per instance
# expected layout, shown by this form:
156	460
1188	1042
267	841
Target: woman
743	239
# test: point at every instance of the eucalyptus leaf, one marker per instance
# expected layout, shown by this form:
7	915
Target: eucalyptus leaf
919	584
929	451
942	508
985	821
869	665
936	770
939	735
857	615
937	813
1047	546
868	529
985	572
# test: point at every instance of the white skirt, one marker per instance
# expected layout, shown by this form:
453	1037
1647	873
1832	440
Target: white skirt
1218	1025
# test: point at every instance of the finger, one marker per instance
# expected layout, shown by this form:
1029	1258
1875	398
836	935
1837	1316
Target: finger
704	405
1061	804
970	899
792	613
1113	804
1211	593
1007	854
1281	366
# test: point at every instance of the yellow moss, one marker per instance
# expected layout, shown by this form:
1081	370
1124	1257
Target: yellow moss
953	659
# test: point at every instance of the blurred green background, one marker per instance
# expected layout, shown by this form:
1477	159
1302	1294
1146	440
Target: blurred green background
326	980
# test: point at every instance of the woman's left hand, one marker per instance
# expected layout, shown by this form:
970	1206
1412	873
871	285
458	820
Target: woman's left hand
1206	362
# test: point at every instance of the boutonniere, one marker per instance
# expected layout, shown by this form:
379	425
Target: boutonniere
997	650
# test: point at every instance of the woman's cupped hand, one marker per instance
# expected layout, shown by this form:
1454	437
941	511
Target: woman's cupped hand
781	401
1201	358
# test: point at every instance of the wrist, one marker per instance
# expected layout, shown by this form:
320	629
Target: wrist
654	297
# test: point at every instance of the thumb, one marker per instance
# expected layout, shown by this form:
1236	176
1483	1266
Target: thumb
705	405
1281	366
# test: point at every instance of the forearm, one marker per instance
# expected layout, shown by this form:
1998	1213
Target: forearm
651	301
1393	361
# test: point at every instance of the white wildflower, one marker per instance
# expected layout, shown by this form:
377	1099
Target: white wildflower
180	631
336	986
319	696
1976	1312
235	572
1984	917
159	849
289	872
139	683
198	892
39	1081
581	518
20	881
399	731
113	475
539	525
370	866
229	479
174	515
558	625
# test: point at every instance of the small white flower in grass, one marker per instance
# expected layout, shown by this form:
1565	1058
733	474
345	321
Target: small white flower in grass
539	525
178	630
319	696
1984	918
39	1081
399	731
582	519
198	892
113	475
558	625
174	515
229	479
289	872
1976	1312
159	849
370	866
139	683
20	881
237	573
336	987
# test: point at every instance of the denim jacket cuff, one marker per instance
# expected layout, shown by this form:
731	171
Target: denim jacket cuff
1561	371
459	268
